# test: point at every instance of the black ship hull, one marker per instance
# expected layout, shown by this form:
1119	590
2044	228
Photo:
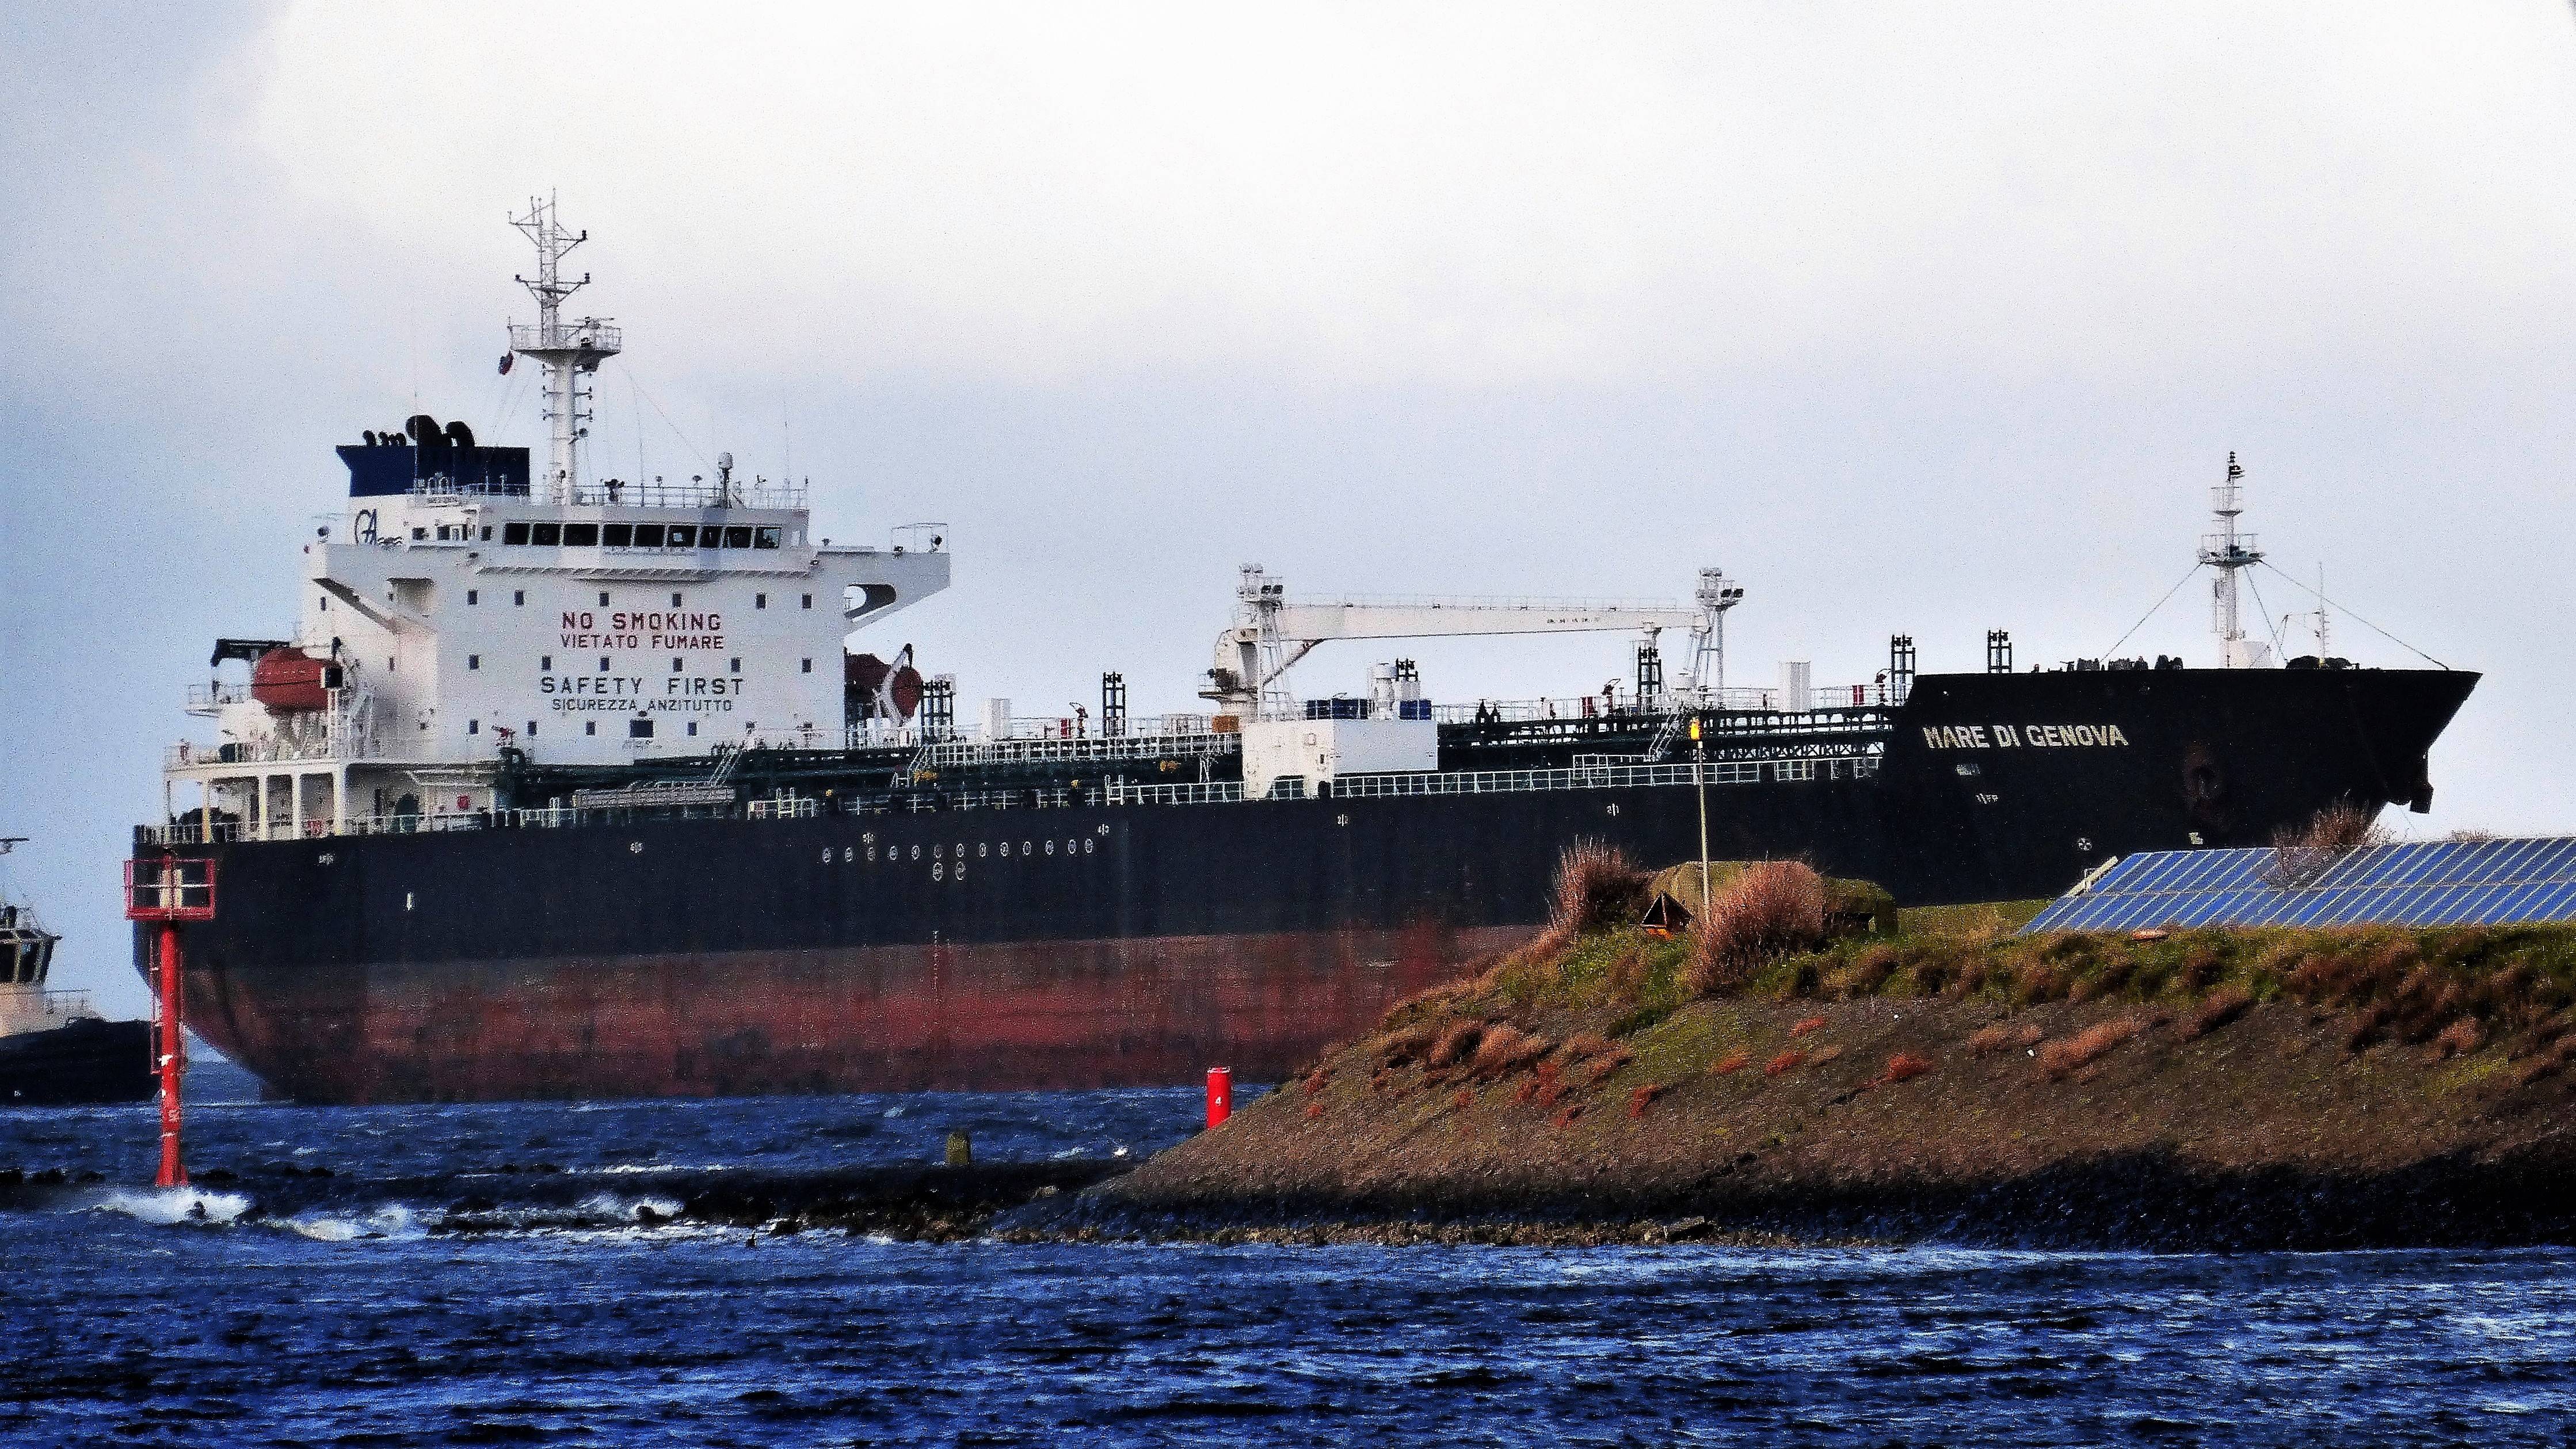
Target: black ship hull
1137	943
80	1062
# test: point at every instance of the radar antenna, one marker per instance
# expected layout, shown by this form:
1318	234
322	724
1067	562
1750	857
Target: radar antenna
568	350
2227	551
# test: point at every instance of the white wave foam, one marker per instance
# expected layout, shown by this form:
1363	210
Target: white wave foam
169	1205
390	1221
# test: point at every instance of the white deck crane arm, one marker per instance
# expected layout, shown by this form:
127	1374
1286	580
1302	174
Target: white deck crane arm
1271	633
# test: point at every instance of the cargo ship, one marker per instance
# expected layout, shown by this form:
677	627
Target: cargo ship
578	787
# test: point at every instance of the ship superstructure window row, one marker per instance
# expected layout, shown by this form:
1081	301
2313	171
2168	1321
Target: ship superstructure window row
639	535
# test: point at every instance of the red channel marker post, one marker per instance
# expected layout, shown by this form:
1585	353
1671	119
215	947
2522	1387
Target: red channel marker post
1220	1095
167	889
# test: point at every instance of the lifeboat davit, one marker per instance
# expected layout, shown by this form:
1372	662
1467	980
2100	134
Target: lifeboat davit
290	681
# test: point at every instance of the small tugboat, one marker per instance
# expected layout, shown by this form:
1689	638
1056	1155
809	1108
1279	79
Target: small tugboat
55	1050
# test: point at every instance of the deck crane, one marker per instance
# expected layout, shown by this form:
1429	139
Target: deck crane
1271	632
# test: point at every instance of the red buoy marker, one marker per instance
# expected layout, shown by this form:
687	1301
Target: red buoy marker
1220	1093
168	890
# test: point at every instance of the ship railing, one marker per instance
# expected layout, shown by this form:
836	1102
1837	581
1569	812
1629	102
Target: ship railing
435	822
1621	703
1603	777
206	698
951	754
759	493
30	1007
567	817
271	750
1074	727
793	807
1214	792
587	335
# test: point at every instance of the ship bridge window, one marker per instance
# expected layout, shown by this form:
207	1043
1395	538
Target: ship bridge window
419	534
675	598
648	535
684	535
617	535
764	538
639	729
546	535
514	533
581	535
738	536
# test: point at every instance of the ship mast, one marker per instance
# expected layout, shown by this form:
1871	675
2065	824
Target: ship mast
2227	551
568	351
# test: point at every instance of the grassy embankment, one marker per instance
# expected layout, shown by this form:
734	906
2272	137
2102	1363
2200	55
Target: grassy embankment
1761	1075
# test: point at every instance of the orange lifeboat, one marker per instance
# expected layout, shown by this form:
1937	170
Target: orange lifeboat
290	681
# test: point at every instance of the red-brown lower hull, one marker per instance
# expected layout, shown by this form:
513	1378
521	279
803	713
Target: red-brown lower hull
1098	1013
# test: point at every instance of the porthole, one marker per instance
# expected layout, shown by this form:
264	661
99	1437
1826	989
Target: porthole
938	872
1024	847
849	853
872	855
827	855
1086	847
979	850
935	851
1050	847
916	852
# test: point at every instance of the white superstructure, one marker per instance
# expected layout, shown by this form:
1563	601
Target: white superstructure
462	608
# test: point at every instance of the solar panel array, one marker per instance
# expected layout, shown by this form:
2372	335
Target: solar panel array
2429	883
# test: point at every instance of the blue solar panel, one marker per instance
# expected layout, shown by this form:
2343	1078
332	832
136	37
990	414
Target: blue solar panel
2436	882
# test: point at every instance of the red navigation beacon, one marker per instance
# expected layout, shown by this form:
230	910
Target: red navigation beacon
169	889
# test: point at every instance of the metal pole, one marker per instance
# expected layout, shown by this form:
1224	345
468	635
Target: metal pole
1699	781
171	1174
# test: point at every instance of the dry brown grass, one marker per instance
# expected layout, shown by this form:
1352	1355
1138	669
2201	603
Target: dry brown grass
1771	909
1597	887
1603	1066
2002	1036
1315	1080
2060	1057
2461	1037
1905	1066
2222	1005
1788	1061
1457	1044
1823	1055
1730	1063
1584	1045
1401	1048
2301	853
1867	972
1642	1098
1813	1023
1505	1049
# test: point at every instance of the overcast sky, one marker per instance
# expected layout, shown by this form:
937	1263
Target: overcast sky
1923	318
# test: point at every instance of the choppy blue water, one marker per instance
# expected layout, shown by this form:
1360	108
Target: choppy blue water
127	1321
